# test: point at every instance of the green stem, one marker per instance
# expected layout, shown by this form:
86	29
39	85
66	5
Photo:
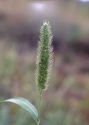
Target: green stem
39	107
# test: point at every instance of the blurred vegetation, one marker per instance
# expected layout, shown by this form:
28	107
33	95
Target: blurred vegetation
67	98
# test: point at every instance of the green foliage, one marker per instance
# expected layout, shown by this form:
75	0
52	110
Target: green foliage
25	104
44	57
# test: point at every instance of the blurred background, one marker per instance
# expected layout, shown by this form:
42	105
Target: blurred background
66	102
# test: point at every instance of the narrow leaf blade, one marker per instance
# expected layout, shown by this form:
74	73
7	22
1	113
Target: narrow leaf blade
25	104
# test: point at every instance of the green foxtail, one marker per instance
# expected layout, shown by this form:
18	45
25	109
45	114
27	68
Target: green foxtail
44	57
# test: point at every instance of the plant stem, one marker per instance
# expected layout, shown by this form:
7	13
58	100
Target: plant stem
39	107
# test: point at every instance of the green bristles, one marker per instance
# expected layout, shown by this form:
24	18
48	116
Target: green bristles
44	59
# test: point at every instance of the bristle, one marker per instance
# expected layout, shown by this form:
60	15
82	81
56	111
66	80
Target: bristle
44	57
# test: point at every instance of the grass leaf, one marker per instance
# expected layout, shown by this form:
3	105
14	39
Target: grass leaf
25	104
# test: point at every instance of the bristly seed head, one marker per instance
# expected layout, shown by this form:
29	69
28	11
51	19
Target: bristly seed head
44	57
